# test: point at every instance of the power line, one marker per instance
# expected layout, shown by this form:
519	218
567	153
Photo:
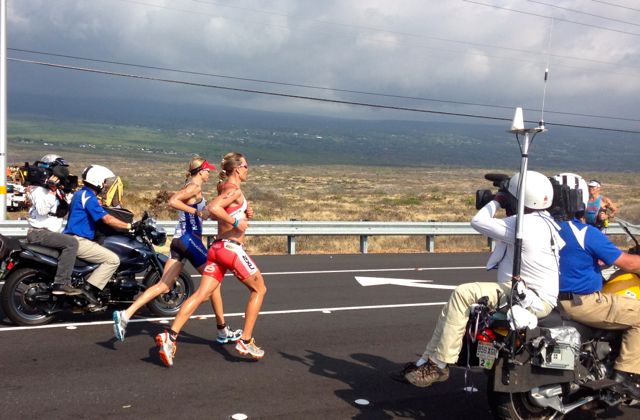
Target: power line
359	92
616	5
583	13
552	17
309	98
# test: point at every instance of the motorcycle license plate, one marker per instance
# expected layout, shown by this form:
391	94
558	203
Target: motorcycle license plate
486	354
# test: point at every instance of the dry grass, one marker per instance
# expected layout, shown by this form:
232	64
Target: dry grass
343	194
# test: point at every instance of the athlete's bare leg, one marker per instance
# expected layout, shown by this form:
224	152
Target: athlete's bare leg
207	285
216	304
172	270
257	289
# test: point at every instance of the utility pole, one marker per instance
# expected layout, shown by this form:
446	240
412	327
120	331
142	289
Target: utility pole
3	110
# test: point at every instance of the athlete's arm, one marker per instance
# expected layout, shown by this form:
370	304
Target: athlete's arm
610	206
180	198
217	207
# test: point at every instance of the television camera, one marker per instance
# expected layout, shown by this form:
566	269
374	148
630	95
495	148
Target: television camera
568	201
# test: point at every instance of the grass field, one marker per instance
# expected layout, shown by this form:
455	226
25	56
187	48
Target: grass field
326	193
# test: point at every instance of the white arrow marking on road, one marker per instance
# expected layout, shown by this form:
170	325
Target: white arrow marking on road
380	281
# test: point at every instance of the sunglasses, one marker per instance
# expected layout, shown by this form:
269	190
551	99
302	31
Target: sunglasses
244	165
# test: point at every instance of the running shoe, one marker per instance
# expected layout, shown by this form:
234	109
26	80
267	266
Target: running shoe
119	325
167	348
249	348
227	335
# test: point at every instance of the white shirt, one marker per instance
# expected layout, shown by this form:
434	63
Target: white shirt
541	244
43	202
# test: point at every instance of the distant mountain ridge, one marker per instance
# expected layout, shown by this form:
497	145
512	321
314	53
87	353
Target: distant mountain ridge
304	139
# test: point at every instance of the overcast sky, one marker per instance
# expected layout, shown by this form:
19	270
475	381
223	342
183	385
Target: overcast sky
451	50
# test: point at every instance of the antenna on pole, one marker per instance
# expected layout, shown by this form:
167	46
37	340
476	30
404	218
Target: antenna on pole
546	75
518	128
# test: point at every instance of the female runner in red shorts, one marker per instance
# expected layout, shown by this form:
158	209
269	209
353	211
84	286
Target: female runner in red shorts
186	245
231	210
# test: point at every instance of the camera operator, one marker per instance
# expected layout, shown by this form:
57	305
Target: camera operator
48	209
85	211
539	273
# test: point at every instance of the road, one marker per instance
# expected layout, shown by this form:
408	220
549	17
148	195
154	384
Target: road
329	342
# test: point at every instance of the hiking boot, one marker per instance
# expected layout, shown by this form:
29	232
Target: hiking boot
629	383
167	348
426	375
119	324
65	289
249	348
400	376
227	335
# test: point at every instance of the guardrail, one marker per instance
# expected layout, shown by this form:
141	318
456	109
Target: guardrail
291	229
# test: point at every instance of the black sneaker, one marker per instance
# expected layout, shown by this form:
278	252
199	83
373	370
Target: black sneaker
65	289
629	383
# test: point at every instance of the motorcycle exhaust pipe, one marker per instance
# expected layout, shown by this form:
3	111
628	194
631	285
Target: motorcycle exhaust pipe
551	397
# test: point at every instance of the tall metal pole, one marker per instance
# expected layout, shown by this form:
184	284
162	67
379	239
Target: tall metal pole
3	110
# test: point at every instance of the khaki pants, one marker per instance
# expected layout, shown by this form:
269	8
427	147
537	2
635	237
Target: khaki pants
612	312
95	253
446	341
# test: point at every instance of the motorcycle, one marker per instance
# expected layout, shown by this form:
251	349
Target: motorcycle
29	271
548	371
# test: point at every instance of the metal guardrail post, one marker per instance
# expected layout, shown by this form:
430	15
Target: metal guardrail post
431	243
291	245
364	244
492	244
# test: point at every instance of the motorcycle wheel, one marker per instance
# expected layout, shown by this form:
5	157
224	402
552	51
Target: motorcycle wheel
517	406
18	298
170	303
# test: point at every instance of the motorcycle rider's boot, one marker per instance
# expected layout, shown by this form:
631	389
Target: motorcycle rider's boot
629	383
427	374
90	294
400	376
65	288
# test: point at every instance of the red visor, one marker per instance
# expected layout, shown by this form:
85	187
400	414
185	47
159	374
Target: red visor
205	166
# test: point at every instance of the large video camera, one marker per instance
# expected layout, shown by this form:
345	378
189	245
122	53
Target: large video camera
38	174
502	182
567	200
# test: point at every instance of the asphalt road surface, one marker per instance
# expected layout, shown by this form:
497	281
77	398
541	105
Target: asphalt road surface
330	342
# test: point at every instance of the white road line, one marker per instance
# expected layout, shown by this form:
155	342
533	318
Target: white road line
238	314
364	270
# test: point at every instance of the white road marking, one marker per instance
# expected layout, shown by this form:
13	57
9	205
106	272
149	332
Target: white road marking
381	281
238	314
364	270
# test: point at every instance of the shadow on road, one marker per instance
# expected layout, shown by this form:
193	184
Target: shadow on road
367	377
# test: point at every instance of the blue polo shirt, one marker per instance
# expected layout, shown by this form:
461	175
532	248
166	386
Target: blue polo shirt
584	246
85	210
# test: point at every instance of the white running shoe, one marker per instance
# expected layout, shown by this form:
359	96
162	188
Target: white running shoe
249	348
227	335
167	348
119	325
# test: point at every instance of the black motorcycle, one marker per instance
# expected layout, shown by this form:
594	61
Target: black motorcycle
545	372
29	270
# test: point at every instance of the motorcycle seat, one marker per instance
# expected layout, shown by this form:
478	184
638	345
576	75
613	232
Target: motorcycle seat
53	253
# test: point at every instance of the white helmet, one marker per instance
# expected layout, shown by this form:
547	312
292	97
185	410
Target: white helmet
538	191
96	176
